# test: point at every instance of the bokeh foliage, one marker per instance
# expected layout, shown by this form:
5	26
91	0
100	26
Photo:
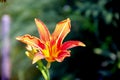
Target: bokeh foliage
94	22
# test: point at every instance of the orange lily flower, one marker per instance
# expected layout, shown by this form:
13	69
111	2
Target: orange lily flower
49	46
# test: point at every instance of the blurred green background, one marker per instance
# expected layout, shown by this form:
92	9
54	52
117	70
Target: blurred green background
94	22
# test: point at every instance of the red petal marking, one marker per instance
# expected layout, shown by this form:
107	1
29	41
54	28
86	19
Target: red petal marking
63	54
31	40
71	44
37	56
43	30
61	30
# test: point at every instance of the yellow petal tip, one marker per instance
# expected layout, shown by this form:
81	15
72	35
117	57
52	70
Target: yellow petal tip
36	19
68	19
18	38
82	44
33	62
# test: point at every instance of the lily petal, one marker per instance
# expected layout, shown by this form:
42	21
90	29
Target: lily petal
43	30
63	54
71	44
30	55
61	30
37	56
31	40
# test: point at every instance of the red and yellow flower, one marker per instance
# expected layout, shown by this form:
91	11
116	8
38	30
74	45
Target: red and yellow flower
49	46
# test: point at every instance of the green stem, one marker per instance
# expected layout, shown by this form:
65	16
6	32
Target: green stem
48	66
44	70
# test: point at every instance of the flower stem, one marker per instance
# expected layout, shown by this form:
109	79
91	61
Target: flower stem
48	66
44	70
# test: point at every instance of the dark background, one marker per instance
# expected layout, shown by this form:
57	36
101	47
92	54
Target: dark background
94	22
